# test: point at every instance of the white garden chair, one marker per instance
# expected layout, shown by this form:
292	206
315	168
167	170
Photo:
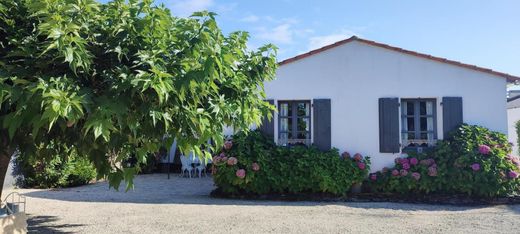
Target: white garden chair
186	162
201	167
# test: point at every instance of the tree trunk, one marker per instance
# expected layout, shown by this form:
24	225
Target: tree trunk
5	157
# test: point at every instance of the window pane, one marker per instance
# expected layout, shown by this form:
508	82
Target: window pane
303	135
303	109
404	124
411	136
283	136
422	108
430	136
411	124
285	109
424	125
284	124
429	108
409	108
424	136
303	124
430	124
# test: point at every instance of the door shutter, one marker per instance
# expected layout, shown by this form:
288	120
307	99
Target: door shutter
267	127
451	114
322	124
389	125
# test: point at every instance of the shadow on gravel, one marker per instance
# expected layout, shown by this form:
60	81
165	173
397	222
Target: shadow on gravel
45	224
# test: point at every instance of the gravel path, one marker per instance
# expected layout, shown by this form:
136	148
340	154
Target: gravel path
158	205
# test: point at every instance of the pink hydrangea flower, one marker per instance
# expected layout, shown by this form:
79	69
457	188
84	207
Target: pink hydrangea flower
395	172
475	166
224	159
255	166
403	172
232	161
484	149
228	145
416	175
514	159
513	174
361	165
222	155
406	166
358	157
405	161
414	161
432	171
241	173
217	159
373	176
345	155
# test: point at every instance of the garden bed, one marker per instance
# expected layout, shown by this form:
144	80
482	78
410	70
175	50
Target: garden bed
434	199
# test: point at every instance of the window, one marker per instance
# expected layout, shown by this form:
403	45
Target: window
294	122
418	121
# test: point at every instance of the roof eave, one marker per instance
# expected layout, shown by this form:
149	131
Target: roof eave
508	77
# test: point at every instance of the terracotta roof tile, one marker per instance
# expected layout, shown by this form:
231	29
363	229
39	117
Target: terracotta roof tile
509	77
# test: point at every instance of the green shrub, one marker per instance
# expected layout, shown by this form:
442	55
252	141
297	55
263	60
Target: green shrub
253	164
79	171
51	172
473	161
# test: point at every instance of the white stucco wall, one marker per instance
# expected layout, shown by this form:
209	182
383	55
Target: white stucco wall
355	75
513	115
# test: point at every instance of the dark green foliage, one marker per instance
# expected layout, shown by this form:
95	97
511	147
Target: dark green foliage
463	166
56	171
285	169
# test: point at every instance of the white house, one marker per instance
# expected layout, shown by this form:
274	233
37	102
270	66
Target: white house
366	97
513	116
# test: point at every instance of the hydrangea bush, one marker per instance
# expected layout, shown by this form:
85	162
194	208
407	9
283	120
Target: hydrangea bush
253	164
473	160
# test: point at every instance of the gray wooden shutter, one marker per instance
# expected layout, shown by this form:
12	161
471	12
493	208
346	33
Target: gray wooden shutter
267	127
322	123
389	125
451	114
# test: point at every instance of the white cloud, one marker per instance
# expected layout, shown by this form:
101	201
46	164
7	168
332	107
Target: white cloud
250	19
282	34
320	41
184	8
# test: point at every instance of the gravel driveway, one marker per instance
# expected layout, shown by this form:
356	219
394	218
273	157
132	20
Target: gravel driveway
158	205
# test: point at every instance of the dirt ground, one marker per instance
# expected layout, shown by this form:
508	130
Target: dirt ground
182	205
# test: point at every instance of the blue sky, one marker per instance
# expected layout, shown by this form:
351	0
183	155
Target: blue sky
479	32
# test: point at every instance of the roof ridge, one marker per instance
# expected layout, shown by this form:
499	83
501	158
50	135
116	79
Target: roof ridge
510	78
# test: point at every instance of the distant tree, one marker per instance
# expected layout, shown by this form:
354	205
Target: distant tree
111	80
